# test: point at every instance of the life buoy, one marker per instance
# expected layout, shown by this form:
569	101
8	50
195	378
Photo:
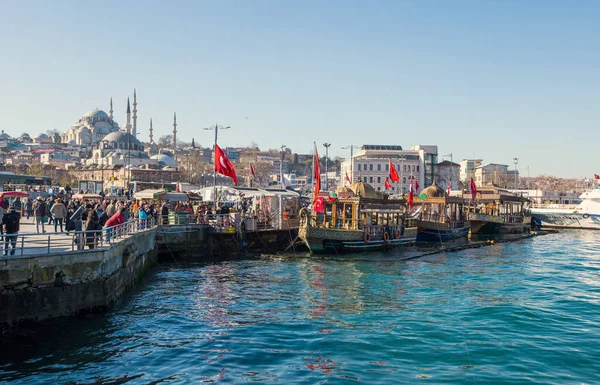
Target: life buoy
586	216
367	237
386	236
396	233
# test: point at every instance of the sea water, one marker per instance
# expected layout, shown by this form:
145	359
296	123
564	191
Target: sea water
526	312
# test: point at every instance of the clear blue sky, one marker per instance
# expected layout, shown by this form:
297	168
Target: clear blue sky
487	79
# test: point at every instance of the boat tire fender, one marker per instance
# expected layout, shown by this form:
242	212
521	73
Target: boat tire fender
586	216
367	237
396	233
386	236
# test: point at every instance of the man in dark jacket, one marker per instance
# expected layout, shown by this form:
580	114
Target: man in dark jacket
10	227
39	212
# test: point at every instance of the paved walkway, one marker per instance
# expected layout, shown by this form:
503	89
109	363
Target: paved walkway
29	242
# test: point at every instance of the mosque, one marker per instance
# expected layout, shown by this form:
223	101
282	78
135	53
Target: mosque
113	146
94	126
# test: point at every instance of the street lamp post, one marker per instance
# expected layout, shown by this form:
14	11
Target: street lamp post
516	160
216	128
401	158
351	147
326	145
281	167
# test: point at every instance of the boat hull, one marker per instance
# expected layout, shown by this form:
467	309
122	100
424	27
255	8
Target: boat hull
566	220
496	227
434	231
337	241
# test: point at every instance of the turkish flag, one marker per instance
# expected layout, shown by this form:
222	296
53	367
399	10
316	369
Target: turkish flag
448	192
252	171
319	205
387	183
410	195
416	185
473	190
393	173
348	178
223	165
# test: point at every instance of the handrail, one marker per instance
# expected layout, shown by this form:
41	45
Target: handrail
32	244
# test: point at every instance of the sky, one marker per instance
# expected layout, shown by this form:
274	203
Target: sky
480	79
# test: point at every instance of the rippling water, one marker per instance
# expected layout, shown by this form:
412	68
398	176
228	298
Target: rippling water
514	313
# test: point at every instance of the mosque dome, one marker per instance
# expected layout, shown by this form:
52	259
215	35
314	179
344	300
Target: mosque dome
121	137
102	128
164	159
42	136
4	135
96	114
434	191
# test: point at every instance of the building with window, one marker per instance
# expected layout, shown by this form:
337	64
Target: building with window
448	173
498	174
371	165
467	167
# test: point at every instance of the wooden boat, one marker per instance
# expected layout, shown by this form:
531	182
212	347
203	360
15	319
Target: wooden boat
498	211
357	219
439	217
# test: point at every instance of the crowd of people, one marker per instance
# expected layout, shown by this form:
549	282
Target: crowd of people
96	217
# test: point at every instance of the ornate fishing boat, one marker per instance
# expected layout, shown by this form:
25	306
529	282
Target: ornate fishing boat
358	218
439	216
498	211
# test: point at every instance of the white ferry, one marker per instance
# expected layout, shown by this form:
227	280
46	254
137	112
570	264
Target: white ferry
583	215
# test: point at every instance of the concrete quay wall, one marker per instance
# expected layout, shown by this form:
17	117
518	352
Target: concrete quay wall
34	288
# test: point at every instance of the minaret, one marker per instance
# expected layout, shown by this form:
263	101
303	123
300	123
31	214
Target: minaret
174	131
110	111
134	115
128	121
150	131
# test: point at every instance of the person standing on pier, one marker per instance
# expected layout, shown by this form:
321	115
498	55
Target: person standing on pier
59	212
29	208
164	213
10	228
17	206
39	212
111	209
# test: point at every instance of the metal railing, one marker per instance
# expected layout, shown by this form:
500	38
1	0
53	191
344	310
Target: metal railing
32	244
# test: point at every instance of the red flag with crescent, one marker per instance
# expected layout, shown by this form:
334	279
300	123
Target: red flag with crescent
223	165
393	173
348	178
410	194
252	171
387	183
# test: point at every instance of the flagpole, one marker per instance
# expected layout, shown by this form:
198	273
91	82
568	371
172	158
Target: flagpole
216	128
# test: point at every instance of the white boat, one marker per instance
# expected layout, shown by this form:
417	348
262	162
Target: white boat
582	215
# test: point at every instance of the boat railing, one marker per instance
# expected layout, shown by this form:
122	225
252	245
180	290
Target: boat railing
553	206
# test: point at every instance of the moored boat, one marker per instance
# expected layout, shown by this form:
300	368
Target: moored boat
584	215
358	218
440	217
498	211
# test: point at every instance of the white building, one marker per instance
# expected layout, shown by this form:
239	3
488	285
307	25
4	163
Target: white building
498	174
371	165
448	173
467	167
